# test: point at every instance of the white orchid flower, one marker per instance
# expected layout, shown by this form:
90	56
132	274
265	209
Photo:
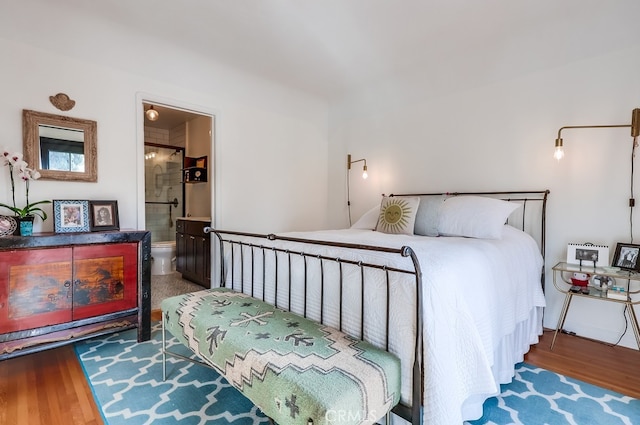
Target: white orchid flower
5	156
16	158
20	167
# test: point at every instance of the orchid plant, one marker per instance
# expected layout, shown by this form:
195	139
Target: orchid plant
19	167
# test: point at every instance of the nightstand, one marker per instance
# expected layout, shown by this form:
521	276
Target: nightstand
561	280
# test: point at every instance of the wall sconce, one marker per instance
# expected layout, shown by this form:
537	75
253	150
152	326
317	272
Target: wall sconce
364	168
635	131
364	176
152	114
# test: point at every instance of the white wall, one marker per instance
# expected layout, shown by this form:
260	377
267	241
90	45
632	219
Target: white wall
199	143
265	133
500	136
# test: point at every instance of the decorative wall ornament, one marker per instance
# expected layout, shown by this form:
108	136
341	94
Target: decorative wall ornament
62	102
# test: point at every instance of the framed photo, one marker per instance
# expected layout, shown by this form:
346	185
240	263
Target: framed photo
626	257
588	254
70	216
104	215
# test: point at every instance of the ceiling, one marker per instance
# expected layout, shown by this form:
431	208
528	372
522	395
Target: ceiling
168	118
330	48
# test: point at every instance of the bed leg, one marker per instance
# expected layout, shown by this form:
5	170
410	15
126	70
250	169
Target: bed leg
387	418
164	352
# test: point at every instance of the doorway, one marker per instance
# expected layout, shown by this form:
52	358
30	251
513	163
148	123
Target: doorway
172	139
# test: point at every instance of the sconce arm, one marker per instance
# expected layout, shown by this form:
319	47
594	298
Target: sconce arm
349	161
590	126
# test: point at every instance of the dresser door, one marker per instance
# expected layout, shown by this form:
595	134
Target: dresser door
35	288
105	279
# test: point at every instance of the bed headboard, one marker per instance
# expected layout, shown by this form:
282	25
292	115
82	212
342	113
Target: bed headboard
530	218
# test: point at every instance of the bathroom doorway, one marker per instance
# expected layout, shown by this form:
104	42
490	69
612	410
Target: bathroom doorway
175	139
171	138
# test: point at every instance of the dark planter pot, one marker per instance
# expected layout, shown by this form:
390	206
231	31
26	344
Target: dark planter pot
25	226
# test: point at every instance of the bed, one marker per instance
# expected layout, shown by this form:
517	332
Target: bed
458	297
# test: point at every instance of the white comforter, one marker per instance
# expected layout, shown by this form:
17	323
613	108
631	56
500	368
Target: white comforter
482	308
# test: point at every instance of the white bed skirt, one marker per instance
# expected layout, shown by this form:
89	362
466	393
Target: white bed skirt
510	351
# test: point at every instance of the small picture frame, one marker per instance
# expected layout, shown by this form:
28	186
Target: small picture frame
104	215
627	257
587	254
70	216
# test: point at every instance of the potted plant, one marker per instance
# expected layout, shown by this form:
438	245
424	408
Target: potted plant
26	214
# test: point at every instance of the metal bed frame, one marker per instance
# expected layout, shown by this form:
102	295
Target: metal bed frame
239	248
248	252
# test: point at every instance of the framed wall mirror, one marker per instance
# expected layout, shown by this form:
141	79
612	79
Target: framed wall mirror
59	147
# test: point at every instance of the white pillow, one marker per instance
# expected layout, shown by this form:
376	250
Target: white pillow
398	214
427	215
368	220
474	216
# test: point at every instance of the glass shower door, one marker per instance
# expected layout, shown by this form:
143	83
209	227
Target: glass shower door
164	191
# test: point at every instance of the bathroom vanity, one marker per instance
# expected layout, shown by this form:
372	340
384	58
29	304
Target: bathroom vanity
56	289
193	250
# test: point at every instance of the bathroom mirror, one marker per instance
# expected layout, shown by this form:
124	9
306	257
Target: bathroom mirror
60	147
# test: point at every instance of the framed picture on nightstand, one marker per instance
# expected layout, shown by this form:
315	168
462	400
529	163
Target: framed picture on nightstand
588	254
626	257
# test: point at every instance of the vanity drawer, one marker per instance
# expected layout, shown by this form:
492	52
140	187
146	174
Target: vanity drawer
192	227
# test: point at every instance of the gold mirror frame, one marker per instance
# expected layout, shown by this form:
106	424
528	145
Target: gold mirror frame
31	120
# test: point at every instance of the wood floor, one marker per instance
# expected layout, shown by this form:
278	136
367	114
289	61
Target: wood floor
49	388
613	367
46	388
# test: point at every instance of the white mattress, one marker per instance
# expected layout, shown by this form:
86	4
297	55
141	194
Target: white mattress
482	308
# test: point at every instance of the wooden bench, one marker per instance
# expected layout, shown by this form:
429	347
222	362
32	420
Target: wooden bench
294	369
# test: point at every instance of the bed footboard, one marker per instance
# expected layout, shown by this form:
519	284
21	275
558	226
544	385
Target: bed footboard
368	292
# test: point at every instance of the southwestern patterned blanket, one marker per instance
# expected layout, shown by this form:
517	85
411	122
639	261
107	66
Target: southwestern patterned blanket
294	369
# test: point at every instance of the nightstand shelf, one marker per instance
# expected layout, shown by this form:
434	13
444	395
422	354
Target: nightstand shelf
561	280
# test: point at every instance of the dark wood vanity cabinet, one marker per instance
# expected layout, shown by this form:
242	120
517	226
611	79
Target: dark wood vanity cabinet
57	289
193	251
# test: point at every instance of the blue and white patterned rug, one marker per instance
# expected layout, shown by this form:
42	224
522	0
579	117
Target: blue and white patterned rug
537	396
126	378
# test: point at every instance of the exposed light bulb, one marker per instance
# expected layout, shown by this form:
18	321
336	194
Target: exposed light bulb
152	114
364	172
559	153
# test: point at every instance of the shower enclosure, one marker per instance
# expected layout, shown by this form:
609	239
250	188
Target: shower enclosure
164	190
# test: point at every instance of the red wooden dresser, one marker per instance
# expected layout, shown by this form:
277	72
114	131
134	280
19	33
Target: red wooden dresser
59	288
